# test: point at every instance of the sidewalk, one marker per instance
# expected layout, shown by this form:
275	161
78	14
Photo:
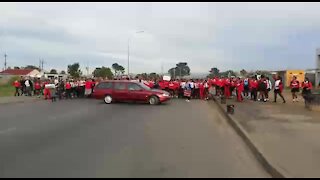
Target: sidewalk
287	135
17	99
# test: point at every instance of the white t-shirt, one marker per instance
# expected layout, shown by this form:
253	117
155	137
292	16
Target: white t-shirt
196	85
276	84
27	83
183	85
191	85
56	81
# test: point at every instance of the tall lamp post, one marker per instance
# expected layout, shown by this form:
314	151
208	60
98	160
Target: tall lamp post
129	51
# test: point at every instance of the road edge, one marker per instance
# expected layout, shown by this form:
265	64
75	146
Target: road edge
270	168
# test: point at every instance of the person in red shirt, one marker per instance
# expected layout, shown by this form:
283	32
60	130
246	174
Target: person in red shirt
262	87
240	88
88	87
37	87
47	94
254	87
232	85
68	90
201	90
17	86
227	85
295	87
171	88
306	87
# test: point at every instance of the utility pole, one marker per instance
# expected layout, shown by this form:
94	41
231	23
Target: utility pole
5	61
41	62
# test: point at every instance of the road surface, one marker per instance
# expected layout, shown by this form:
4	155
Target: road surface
86	138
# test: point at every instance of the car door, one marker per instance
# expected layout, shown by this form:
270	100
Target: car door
102	89
136	92
120	92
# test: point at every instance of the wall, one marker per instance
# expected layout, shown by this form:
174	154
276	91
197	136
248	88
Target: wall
300	74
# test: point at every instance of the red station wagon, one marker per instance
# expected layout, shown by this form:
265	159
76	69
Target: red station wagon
128	91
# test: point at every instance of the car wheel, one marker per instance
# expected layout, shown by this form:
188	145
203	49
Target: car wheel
154	100
108	99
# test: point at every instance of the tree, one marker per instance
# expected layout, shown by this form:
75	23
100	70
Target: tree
214	72
103	72
62	72
118	69
243	72
154	76
31	67
74	70
9	67
53	71
181	69
16	67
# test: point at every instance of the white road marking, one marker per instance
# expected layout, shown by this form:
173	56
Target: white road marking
8	130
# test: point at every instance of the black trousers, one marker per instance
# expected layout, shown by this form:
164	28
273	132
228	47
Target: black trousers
254	94
68	93
17	92
276	92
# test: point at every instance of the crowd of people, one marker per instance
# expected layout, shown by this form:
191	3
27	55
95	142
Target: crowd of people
55	88
256	88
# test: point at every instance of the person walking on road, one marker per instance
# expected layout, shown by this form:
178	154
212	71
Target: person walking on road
269	87
278	87
306	89
37	87
17	86
295	86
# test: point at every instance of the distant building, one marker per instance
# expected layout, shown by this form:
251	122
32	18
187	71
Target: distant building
20	72
287	76
6	75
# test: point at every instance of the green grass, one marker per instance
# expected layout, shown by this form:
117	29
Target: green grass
8	89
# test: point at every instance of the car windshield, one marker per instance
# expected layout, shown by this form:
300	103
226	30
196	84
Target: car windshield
144	86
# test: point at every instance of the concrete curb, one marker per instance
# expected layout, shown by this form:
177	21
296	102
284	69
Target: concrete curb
274	171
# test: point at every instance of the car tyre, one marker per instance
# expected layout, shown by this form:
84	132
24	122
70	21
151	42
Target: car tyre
107	99
153	100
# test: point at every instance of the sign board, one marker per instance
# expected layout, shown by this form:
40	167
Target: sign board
166	78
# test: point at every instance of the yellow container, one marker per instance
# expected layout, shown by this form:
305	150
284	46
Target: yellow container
300	74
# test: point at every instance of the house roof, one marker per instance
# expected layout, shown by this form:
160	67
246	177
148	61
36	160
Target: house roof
21	72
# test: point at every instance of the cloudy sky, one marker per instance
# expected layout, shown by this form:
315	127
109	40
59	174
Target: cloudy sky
269	36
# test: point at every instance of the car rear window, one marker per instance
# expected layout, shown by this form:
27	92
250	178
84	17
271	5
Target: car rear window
119	86
104	85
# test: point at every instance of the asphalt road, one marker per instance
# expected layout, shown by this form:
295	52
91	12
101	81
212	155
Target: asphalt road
86	138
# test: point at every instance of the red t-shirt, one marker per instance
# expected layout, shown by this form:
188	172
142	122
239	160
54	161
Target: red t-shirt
254	84
88	84
294	84
171	85
201	86
307	85
16	84
233	83
37	86
220	82
68	85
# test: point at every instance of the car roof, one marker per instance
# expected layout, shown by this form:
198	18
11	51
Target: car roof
123	81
